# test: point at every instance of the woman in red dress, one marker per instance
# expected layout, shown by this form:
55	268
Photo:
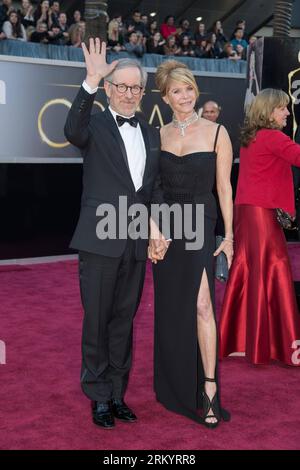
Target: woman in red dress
259	314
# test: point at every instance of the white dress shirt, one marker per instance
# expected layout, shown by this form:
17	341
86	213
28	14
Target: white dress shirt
134	145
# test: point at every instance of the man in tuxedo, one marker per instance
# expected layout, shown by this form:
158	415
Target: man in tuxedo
120	158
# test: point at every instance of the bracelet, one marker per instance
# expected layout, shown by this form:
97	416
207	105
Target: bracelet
231	240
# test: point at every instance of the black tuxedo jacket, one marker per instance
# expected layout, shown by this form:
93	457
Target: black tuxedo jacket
106	174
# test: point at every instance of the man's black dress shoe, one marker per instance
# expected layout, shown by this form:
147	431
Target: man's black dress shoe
102	414
121	411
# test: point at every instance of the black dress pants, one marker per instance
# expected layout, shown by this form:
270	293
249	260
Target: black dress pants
110	289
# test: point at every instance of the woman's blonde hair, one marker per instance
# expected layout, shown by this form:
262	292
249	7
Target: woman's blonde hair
112	25
76	33
174	70
258	115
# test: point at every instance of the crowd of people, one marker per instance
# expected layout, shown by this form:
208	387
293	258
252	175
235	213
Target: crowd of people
45	23
48	24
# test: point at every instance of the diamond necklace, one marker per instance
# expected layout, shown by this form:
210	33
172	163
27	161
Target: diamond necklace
182	125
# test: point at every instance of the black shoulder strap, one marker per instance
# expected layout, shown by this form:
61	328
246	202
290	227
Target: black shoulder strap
216	138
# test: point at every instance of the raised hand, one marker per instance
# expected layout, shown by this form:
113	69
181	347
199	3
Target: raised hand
95	60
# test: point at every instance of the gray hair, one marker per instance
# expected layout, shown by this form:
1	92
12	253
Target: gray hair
127	63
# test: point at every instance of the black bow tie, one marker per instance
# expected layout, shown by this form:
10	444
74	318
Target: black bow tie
132	121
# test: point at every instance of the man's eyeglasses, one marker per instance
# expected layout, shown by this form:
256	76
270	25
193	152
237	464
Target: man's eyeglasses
122	88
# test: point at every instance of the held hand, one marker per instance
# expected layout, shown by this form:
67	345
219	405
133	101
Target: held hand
154	256
95	60
227	247
157	249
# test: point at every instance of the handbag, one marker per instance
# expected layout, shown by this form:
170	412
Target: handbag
221	267
286	220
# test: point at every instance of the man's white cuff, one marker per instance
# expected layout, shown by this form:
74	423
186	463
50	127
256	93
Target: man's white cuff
90	90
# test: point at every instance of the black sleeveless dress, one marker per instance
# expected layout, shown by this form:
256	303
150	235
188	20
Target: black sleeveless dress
178	370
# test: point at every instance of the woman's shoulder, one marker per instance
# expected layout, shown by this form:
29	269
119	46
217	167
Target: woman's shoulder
270	132
205	122
266	135
212	128
272	139
209	127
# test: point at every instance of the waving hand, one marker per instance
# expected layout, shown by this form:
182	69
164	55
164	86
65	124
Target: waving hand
95	60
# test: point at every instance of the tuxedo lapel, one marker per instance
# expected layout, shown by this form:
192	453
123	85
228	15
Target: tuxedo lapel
112	126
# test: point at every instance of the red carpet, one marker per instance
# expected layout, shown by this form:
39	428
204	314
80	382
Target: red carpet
42	406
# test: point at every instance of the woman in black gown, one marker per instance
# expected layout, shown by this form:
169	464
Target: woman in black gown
195	151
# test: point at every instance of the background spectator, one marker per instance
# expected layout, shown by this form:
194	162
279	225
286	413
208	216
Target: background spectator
239	38
184	30
76	34
62	22
155	44
115	39
171	48
221	39
5	9
135	23
201	50
54	10
40	34
241	52
145	20
186	47
241	24
136	44
229	52
153	27
252	39
13	28
76	18
168	28
199	34
212	48
56	36
211	111
26	14
43	13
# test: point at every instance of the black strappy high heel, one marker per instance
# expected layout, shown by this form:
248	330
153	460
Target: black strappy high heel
212	404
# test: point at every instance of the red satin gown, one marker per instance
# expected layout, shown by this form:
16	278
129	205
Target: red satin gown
259	314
